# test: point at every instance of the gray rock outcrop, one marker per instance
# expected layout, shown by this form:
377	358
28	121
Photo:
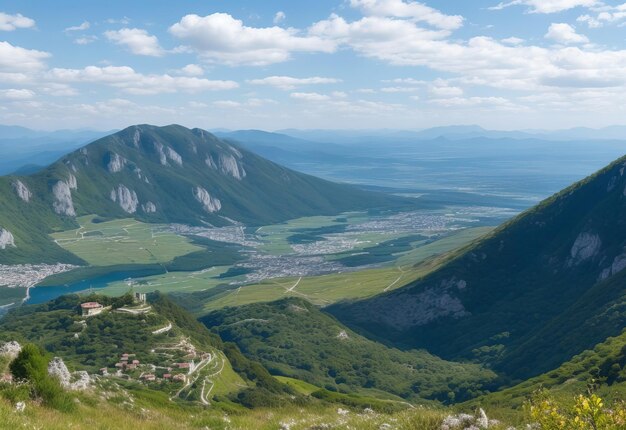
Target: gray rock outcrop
149	208
58	369
73	381
209	203
72	182
230	166
162	156
619	264
127	199
6	239
469	422
116	163
209	162
22	190
586	246
63	204
174	156
10	349
136	138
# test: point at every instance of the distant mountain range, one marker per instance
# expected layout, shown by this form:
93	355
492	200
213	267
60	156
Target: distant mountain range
23	150
541	288
457	132
162	174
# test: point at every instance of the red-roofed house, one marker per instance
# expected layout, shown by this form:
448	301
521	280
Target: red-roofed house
91	308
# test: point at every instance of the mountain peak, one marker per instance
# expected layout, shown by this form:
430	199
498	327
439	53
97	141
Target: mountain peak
168	174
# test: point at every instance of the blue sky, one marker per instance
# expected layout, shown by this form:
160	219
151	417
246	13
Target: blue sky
514	64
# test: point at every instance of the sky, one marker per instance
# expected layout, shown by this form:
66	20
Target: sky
332	64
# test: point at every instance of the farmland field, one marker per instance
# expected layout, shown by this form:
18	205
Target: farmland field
123	241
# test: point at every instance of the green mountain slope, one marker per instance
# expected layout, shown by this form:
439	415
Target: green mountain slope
161	174
294	338
603	368
541	288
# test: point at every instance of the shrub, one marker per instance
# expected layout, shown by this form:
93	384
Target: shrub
31	367
589	412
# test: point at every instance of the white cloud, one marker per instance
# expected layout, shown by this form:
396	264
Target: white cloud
404	81
14	94
289	83
399	89
489	102
565	34
18	59
85	40
546	6
279	17
128	80
339	103
123	21
192	70
513	41
138	41
58	90
440	88
375	33
220	38
311	97
250	103
13	22
481	60
413	10
84	26
606	15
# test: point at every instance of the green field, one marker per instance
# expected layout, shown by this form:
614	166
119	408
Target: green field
298	385
123	241
173	282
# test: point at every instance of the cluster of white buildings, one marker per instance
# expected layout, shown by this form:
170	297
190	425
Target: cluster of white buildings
28	275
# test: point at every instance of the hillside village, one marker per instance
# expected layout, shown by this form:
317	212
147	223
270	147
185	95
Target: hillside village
159	356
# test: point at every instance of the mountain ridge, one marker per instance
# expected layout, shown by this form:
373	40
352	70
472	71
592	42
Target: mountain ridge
164	174
523	278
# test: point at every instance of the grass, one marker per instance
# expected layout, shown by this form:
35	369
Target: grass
123	241
173	282
298	385
94	412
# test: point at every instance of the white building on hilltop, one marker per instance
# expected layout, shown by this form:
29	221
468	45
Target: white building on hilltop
91	308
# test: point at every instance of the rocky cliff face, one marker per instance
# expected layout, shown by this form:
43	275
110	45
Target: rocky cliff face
6	239
127	199
63	203
22	190
209	203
